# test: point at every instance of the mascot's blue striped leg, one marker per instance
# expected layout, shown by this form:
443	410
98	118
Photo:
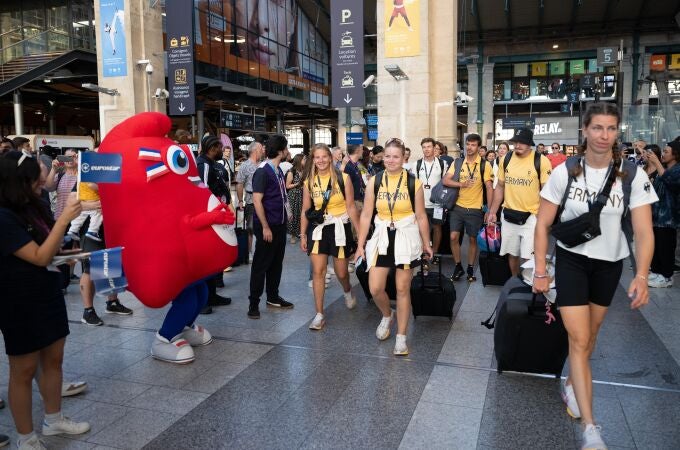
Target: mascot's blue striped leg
184	310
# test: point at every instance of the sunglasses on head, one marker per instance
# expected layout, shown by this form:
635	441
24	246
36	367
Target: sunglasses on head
393	141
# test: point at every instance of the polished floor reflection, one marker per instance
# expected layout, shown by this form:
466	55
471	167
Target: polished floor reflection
273	383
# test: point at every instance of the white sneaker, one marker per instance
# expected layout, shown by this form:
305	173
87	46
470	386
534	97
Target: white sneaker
350	301
71	388
592	439
330	271
34	443
197	336
65	426
652	276
569	399
350	267
177	351
318	322
660	282
400	348
328	277
383	330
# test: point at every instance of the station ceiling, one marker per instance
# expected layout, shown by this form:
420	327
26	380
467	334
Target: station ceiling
517	21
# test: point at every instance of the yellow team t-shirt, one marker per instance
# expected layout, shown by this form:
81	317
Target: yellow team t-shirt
472	197
87	193
336	204
522	188
402	205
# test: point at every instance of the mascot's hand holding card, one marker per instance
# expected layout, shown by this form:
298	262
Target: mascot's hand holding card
175	232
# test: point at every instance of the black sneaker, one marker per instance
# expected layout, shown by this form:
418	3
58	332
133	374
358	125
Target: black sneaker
114	307
471	274
218	300
219	283
279	303
253	312
90	317
2	403
4	440
206	310
457	272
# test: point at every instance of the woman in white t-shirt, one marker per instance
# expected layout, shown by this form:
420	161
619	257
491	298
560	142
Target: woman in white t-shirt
587	275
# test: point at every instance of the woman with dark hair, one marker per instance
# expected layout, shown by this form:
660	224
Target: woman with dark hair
586	285
330	192
665	213
294	179
34	323
400	237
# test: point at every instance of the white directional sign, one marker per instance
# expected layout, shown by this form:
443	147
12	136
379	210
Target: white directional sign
347	53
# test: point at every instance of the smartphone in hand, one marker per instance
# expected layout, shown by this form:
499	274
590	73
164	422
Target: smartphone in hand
64	158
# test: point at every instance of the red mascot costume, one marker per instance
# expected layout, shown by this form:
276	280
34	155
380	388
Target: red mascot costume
175	232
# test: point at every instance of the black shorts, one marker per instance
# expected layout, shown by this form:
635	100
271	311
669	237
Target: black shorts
388	259
581	280
326	246
90	245
431	219
465	218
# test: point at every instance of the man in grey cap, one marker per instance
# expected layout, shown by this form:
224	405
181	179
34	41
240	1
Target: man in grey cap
521	175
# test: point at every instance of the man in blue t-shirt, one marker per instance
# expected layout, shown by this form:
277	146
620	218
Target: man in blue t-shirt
269	227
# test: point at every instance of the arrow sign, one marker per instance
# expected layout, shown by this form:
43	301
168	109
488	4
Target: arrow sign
182	107
347	99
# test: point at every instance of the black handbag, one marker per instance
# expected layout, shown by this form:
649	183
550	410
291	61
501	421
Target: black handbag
585	227
516	217
316	216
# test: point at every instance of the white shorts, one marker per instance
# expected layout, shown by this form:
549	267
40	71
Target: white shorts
518	240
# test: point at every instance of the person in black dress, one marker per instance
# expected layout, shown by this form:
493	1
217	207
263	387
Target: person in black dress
34	323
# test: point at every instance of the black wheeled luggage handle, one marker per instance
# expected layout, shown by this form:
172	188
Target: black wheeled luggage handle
422	273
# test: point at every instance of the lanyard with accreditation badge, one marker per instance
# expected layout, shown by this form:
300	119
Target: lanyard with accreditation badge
282	189
392	199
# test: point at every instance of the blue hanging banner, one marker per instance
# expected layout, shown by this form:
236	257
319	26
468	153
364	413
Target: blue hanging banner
355	138
113	51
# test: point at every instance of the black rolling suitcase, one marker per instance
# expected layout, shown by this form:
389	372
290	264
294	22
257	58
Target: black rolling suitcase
362	276
528	337
493	267
432	294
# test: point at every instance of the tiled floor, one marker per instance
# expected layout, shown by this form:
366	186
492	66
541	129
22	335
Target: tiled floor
273	383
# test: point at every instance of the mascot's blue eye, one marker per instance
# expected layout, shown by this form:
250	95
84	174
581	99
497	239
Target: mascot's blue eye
178	161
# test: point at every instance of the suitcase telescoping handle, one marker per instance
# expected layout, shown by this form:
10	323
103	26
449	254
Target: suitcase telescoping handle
422	272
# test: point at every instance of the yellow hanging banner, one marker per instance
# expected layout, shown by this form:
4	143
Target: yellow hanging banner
539	69
402	28
675	61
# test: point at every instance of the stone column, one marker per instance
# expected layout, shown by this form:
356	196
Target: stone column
143	41
423	105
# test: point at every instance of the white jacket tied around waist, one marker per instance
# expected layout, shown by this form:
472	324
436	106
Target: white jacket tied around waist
407	243
339	223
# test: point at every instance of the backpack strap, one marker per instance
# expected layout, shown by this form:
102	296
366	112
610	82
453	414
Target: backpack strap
419	164
570	164
629	171
457	167
411	183
537	166
442	166
506	161
377	181
341	182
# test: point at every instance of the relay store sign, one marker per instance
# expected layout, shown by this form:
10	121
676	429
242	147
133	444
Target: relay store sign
180	45
560	129
347	53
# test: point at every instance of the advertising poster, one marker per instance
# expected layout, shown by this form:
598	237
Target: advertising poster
114	53
577	67
657	63
675	61
402	28
539	69
557	68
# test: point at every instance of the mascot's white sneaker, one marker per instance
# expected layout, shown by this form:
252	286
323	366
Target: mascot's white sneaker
197	336
177	351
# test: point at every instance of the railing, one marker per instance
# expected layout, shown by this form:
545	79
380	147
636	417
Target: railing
55	39
4	33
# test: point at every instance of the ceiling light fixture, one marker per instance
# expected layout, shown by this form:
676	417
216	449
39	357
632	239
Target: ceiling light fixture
556	46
